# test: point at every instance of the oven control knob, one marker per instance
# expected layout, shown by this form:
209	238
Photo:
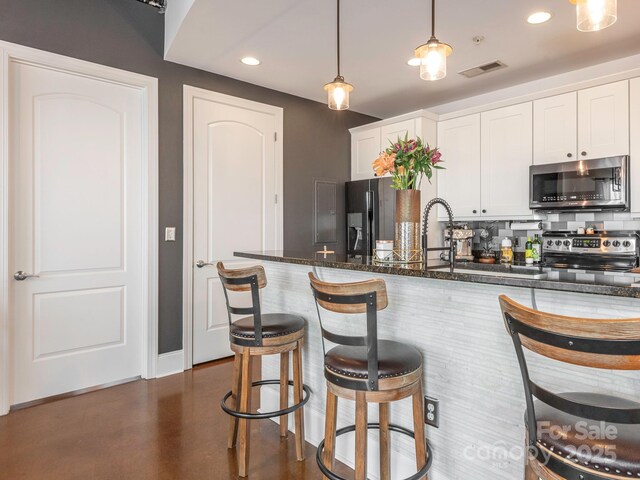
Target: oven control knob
626	243
616	243
566	243
558	243
606	243
549	242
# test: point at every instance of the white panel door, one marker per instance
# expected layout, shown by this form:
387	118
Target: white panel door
506	157
234	209
365	148
603	121
634	96
555	129
459	183
76	156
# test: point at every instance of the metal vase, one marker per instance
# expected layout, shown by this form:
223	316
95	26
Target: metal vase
407	241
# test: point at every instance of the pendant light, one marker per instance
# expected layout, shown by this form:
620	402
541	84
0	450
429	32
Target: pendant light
595	15
433	54
338	90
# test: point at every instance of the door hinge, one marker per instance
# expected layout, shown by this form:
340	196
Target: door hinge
276	198
275	136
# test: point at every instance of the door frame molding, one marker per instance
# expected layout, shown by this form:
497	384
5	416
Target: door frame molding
189	95
11	52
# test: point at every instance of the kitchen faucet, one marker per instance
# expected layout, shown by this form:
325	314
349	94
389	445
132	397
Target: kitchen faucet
425	231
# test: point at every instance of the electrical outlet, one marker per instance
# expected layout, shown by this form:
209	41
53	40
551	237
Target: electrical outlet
432	412
170	234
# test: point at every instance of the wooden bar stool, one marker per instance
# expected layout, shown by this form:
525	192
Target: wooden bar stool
557	449
256	335
367	370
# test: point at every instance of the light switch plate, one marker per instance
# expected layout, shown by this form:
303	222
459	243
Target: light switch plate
170	234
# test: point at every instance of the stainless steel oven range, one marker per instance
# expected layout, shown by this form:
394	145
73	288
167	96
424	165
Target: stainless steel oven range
608	251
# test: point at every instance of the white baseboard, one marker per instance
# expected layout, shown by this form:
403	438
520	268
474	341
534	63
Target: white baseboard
401	465
170	363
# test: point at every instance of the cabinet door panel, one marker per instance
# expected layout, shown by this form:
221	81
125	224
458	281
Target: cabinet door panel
555	129
459	184
365	148
635	143
506	157
603	121
390	133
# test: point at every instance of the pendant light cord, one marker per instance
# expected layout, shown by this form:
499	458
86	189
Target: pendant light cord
433	18
338	30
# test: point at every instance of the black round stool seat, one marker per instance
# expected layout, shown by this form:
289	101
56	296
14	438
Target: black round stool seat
395	359
583	449
273	325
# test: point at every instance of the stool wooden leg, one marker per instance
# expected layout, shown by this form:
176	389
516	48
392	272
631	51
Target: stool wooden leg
418	428
297	396
329	456
245	406
385	470
529	474
235	388
284	392
361	435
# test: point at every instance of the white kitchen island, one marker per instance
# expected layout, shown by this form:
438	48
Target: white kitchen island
469	361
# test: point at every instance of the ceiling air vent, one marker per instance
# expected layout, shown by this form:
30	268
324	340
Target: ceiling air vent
486	68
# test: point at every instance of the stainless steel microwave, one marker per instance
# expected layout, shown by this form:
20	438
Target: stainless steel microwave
598	184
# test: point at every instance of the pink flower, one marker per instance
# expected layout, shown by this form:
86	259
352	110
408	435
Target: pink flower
436	157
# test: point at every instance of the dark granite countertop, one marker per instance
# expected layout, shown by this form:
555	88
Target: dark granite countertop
600	283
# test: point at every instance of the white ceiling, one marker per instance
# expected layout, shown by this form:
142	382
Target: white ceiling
295	40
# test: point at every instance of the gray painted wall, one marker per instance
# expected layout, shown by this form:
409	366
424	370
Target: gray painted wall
130	35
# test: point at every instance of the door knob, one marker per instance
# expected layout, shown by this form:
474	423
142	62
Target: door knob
20	275
202	263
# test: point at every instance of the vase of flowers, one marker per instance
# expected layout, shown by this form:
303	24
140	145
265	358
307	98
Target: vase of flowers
408	161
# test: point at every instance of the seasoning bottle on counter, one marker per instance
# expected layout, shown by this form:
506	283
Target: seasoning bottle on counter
528	252
506	251
537	249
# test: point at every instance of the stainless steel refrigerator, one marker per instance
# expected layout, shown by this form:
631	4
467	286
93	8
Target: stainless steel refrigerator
370	214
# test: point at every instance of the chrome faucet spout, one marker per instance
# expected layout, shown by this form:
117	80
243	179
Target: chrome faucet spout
425	231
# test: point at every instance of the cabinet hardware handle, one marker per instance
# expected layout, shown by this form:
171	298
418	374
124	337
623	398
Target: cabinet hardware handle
569	155
484	211
584	154
475	211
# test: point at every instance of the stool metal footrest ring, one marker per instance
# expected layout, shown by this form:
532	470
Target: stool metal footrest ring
260	416
373	426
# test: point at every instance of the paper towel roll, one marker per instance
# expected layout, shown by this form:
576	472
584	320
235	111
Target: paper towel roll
525	226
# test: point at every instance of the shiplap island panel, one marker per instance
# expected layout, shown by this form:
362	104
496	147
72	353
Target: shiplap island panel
470	365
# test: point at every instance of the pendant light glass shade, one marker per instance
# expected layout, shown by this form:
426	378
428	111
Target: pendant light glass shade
338	94
595	15
433	54
433	59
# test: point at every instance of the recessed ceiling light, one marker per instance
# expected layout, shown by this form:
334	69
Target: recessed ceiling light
413	62
539	17
252	61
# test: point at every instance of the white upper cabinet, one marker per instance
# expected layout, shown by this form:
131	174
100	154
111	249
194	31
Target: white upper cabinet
390	133
634	96
368	141
506	152
555	129
365	148
603	121
459	184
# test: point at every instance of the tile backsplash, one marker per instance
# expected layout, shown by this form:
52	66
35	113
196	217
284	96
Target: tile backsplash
555	221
